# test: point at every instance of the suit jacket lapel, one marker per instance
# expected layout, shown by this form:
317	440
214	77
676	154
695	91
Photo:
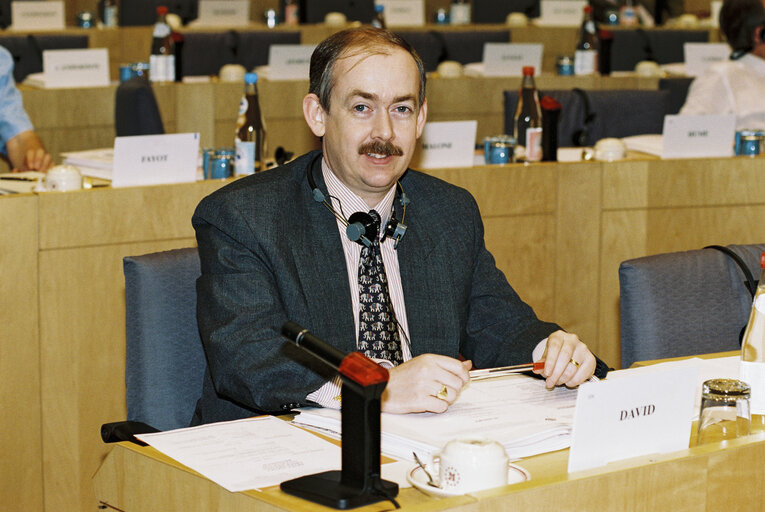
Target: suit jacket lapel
321	267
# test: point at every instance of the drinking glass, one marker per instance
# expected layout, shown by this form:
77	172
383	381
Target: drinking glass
724	410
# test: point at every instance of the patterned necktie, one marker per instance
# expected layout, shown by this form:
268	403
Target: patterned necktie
378	329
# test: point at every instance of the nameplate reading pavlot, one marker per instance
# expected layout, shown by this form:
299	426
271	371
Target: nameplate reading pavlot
224	13
155	159
642	414
508	59
698	136
42	15
561	13
289	61
446	144
75	68
404	13
699	56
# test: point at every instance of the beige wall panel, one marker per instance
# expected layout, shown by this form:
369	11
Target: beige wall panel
524	249
104	216
625	184
21	481
200	118
82	334
576	251
623	235
87	106
57	140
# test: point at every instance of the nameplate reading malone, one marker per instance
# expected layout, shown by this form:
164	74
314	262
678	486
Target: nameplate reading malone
40	15
642	414
223	13
509	59
289	61
446	144
75	68
698	136
155	159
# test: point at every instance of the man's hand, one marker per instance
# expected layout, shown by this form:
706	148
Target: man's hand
567	360
413	385
26	153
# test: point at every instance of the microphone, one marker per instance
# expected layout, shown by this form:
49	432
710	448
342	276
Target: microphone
354	365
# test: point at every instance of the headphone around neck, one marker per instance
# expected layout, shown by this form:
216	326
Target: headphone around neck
581	137
360	227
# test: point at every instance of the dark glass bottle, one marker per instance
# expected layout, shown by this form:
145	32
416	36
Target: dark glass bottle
250	130
586	55
528	117
162	60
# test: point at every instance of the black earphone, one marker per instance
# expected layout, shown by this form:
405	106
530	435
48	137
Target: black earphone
581	137
360	227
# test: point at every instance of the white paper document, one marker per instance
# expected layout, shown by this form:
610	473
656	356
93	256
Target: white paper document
639	414
247	454
517	411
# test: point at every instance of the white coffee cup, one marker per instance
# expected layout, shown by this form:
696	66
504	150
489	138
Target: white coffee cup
516	19
471	464
60	178
232	73
449	69
335	19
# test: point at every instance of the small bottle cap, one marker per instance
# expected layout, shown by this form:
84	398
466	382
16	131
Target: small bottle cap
379	8
762	260
161	9
250	78
587	9
528	70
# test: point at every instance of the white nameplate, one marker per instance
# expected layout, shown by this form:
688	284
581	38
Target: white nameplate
42	15
508	59
632	416
155	159
75	68
447	144
403	13
289	61
225	13
699	56
561	13
698	136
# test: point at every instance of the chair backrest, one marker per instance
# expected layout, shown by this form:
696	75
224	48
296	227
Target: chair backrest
467	47
665	46
612	113
165	362
678	91
135	109
684	303
495	11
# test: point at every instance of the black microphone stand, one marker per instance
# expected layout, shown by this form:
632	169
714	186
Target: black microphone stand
358	482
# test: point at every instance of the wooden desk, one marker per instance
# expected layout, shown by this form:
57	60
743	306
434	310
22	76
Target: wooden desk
720	476
558	231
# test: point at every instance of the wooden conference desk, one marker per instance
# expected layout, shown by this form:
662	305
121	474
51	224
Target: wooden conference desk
718	476
83	118
558	231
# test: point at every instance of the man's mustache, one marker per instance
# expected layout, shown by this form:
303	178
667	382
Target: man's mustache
379	147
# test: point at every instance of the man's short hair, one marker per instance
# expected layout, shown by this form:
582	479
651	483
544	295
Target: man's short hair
350	42
738	21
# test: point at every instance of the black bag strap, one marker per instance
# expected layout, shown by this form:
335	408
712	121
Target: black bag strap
751	284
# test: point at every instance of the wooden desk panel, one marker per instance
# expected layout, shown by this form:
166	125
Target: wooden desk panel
21	481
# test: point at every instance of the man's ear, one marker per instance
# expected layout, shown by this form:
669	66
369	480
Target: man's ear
422	117
314	114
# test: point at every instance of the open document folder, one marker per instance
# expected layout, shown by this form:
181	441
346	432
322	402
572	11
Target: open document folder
517	411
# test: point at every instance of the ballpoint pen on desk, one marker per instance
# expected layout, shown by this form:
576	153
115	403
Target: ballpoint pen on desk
501	371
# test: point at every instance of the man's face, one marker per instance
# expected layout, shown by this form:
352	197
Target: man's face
370	132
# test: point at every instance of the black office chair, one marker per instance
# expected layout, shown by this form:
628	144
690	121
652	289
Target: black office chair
135	109
27	51
467	47
664	46
678	91
428	45
685	303
588	116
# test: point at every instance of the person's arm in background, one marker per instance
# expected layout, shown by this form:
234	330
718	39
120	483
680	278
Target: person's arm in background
18	141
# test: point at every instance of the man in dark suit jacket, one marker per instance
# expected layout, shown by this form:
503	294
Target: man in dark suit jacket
272	250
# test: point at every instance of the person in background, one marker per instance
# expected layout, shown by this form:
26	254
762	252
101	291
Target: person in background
18	141
273	247
736	86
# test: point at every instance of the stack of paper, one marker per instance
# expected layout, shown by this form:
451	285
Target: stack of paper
517	411
96	163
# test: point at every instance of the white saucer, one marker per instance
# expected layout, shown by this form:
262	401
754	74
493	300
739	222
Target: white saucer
417	477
